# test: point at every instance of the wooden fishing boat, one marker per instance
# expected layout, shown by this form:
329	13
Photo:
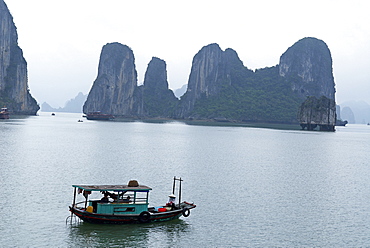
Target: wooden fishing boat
97	115
125	204
4	113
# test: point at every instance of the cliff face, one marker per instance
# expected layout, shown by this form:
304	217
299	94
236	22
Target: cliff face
211	71
14	91
208	68
113	90
308	66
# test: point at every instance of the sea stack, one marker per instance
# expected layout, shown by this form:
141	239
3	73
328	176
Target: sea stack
158	99
308	66
14	91
113	90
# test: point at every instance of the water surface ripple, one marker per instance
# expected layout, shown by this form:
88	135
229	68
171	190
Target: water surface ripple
253	187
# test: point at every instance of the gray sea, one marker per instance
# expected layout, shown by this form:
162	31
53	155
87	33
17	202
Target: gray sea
253	187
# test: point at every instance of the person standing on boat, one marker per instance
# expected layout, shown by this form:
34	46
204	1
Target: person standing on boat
171	201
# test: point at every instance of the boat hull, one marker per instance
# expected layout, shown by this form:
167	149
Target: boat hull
98	116
4	115
126	218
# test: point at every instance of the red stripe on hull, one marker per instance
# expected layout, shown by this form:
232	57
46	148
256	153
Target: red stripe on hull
98	218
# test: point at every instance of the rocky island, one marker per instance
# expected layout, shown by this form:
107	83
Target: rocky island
14	92
220	87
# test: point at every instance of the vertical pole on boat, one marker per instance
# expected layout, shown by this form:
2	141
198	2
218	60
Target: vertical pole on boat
180	191
173	187
74	202
86	196
74	197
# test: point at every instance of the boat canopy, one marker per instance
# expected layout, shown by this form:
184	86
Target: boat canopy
141	188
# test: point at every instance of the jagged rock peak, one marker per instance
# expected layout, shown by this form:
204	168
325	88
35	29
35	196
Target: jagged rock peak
210	66
113	57
308	64
113	90
204	70
14	92
156	75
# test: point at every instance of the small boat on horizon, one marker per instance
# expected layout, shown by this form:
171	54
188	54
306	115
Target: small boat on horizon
97	115
125	204
4	113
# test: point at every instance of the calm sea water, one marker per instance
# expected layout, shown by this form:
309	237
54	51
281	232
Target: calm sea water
253	187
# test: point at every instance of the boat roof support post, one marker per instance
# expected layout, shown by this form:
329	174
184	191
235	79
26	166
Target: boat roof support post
74	201
86	197
74	197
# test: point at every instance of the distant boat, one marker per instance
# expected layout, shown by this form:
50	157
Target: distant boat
52	114
80	121
125	204
341	123
4	113
97	115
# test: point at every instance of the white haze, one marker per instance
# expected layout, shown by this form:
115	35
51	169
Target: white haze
62	40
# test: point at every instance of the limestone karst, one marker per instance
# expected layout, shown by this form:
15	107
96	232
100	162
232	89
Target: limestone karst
14	91
220	87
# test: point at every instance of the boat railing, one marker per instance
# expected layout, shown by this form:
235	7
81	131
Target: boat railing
140	200
76	205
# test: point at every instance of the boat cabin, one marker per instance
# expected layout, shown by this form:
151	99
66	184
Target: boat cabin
113	199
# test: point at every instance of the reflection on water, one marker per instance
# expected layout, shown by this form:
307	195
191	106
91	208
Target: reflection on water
166	234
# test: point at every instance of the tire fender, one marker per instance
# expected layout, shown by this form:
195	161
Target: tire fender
144	217
185	212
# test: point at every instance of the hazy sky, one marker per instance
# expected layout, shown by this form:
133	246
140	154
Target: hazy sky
62	40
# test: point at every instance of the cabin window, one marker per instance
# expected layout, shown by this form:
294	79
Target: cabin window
141	197
123	209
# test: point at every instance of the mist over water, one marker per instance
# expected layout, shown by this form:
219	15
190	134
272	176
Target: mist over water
252	187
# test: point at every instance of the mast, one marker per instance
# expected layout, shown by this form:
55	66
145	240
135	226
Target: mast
174	184
180	191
